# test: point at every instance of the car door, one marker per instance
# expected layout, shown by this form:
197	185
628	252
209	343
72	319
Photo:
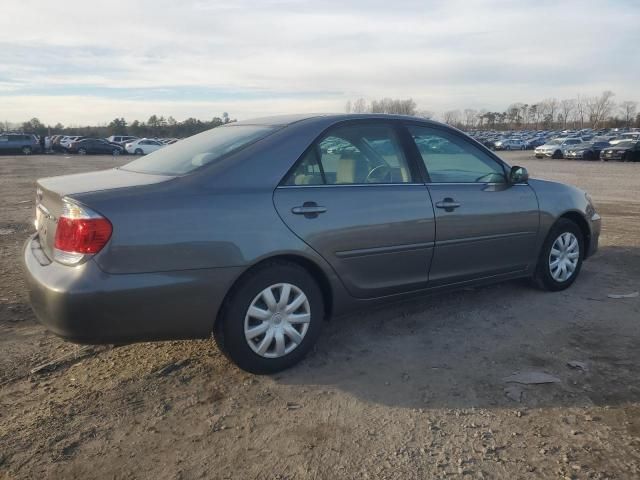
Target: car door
484	225
355	198
151	146
5	145
102	146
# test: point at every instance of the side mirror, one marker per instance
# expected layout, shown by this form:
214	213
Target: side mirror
518	175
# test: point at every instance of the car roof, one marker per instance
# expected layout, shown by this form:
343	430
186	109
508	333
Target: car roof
309	118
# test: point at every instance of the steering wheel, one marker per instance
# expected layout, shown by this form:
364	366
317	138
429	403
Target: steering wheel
375	174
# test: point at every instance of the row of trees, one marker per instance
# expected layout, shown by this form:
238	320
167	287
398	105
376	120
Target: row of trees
387	105
155	126
580	112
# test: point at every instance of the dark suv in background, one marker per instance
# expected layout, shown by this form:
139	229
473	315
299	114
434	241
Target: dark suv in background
19	143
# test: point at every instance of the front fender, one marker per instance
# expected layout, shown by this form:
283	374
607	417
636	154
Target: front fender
558	200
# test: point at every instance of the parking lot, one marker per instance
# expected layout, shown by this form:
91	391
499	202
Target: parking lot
413	390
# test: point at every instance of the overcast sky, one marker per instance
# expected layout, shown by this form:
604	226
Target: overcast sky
84	61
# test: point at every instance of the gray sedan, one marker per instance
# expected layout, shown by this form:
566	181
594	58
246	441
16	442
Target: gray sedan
259	231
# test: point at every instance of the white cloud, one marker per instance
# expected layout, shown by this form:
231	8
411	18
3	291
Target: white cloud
305	55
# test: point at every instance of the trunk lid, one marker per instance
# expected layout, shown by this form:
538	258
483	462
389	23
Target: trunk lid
50	192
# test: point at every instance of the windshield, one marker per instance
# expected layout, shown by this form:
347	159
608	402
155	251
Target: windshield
187	155
554	142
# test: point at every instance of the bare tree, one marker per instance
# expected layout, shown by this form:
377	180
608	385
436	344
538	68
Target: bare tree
513	114
470	116
451	117
628	108
481	116
550	109
428	114
390	105
545	114
360	106
581	109
535	114
347	107
524	111
567	107
600	107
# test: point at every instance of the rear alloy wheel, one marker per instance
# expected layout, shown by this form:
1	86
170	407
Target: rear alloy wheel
561	257
116	152
26	150
275	328
82	151
138	151
271	319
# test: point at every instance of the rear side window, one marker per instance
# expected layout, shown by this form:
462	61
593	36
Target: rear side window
202	149
352	155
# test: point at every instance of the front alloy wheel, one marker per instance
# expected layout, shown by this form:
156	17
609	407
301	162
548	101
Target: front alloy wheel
564	256
561	256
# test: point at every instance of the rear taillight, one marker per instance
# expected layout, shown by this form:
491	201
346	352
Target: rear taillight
80	232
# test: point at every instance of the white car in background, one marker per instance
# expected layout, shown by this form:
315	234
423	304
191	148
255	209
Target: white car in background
555	148
67	140
510	144
121	139
143	146
625	137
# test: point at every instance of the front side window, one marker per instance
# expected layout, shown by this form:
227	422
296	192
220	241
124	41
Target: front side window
353	155
449	159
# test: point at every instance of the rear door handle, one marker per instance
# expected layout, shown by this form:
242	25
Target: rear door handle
309	210
449	204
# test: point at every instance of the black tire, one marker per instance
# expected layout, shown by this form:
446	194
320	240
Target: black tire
542	276
138	151
557	155
116	152
229	329
26	150
587	156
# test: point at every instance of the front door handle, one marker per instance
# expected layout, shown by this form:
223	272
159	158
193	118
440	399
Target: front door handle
449	204
309	210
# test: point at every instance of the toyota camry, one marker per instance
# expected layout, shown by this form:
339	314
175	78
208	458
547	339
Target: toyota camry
258	232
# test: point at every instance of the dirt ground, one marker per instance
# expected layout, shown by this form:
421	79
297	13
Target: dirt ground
414	390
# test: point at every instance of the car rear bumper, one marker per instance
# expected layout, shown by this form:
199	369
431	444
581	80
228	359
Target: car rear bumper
86	305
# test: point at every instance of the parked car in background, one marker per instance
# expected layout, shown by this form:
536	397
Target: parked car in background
143	146
509	144
121	139
625	137
554	148
95	145
24	143
627	151
228	232
585	151
67	140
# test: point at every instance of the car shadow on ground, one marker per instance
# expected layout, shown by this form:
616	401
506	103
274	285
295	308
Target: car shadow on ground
456	350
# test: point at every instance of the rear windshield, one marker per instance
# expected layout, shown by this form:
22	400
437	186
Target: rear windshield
187	155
